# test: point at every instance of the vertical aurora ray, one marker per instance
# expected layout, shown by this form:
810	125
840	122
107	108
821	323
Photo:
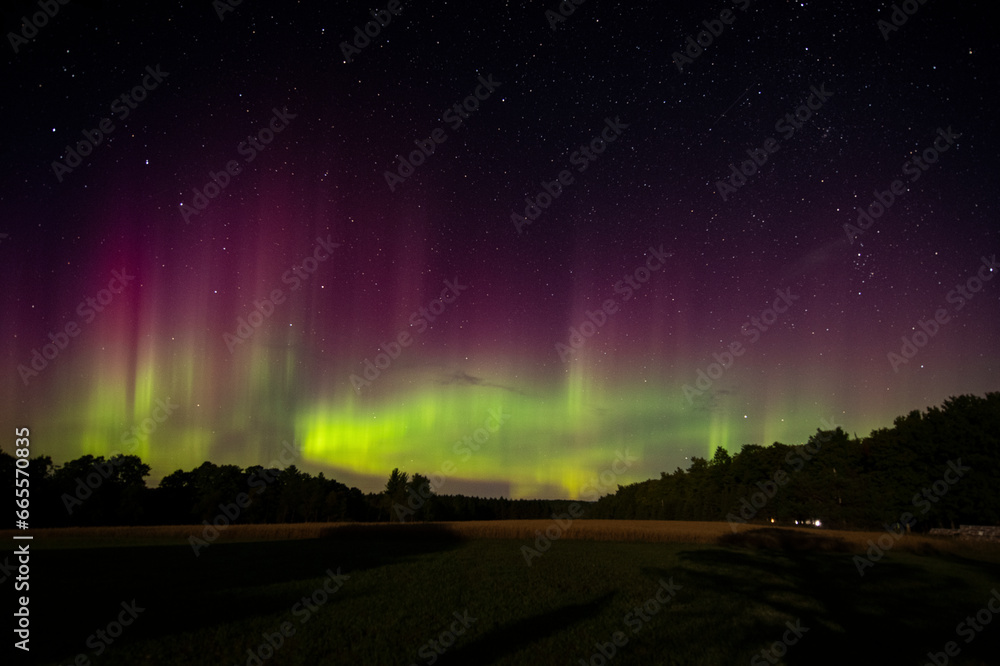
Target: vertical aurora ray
718	434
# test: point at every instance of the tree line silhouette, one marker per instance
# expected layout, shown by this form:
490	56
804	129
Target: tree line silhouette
941	466
91	491
839	480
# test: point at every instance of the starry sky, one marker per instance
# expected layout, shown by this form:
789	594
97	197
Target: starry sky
491	242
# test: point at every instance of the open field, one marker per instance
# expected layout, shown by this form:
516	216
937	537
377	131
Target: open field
651	531
403	586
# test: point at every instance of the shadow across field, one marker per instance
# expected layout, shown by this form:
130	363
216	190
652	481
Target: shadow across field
775	538
78	591
896	610
507	640
407	580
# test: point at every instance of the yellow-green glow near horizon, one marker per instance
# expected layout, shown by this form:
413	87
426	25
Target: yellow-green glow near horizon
558	435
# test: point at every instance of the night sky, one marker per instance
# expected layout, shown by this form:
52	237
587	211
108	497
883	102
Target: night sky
193	317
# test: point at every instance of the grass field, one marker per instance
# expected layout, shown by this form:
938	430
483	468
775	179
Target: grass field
723	598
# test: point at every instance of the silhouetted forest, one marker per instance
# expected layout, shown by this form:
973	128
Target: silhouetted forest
940	466
94	491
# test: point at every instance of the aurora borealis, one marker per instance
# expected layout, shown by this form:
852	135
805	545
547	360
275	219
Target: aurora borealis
283	292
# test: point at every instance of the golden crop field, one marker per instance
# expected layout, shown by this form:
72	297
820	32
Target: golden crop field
525	530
